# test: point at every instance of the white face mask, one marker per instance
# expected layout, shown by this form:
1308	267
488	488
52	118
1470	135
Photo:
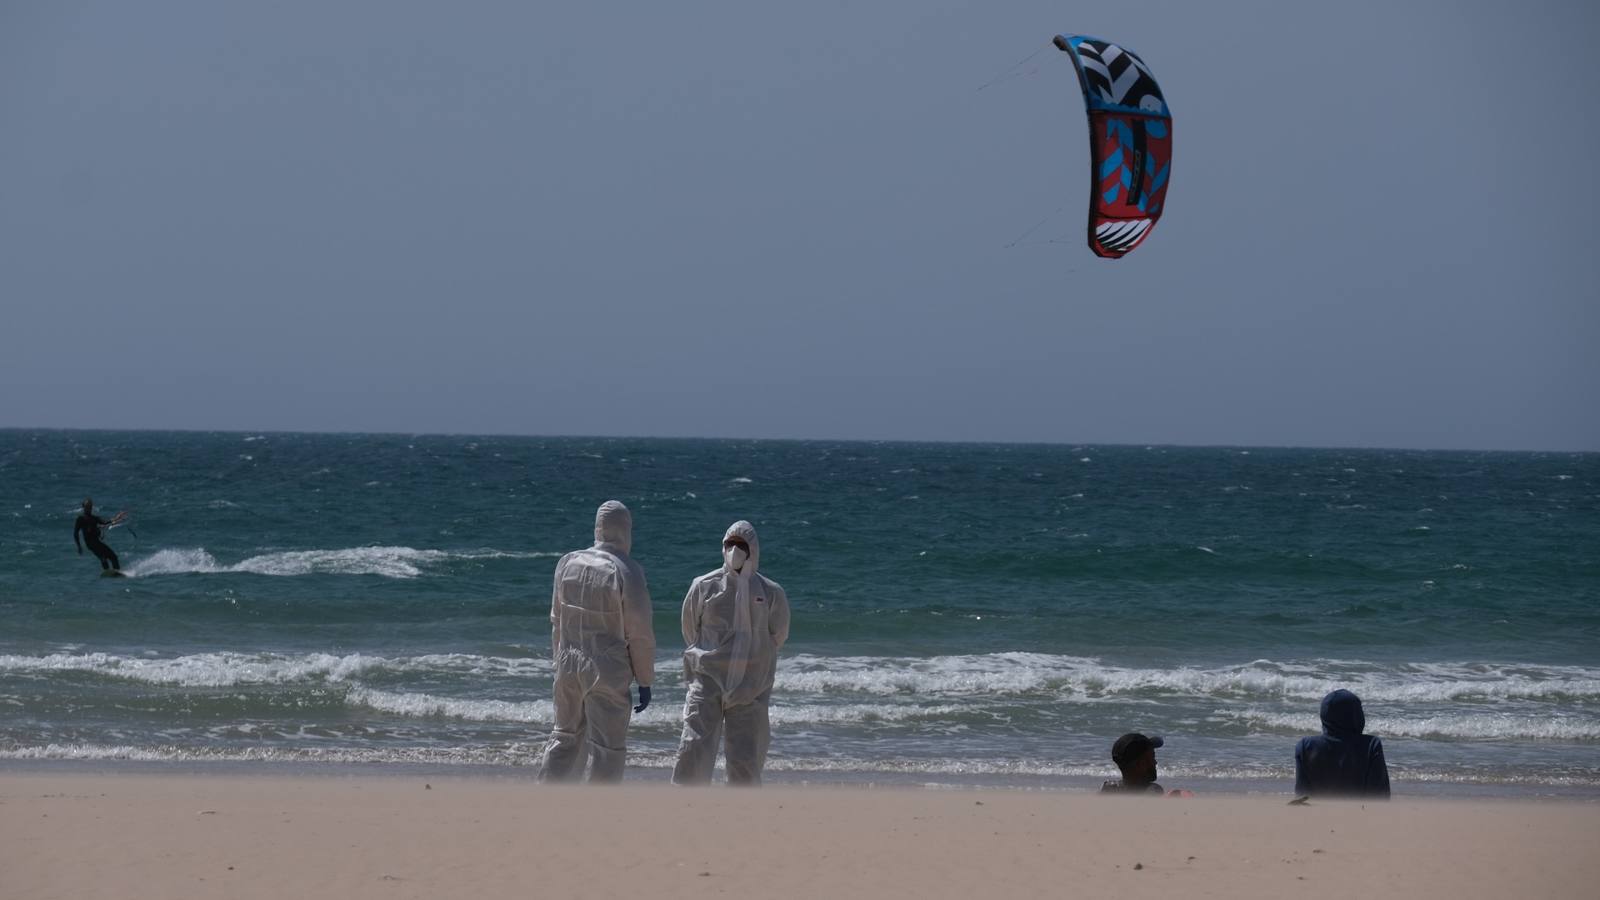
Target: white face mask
734	556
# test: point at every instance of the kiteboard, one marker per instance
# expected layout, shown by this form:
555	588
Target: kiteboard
112	573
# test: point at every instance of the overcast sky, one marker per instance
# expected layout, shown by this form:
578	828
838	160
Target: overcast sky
765	220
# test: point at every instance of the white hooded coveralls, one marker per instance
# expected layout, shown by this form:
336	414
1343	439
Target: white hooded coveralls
601	640
733	625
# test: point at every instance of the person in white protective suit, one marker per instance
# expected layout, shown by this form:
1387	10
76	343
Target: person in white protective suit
734	621
601	641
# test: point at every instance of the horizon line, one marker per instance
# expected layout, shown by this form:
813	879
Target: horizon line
793	440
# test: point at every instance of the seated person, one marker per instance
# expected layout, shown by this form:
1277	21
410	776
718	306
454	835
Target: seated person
1135	755
1341	761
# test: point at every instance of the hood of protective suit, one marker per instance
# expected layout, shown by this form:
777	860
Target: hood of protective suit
747	533
613	524
1342	715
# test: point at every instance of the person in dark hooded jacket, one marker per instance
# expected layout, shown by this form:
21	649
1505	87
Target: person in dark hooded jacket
1342	760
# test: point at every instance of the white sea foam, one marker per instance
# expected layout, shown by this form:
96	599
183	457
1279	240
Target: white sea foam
472	664
225	669
389	562
511	755
1444	701
662	715
1067	678
200	670
490	553
1454	726
173	561
863	713
1079	677
427	705
1008	673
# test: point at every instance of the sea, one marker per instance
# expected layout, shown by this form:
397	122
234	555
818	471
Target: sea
963	614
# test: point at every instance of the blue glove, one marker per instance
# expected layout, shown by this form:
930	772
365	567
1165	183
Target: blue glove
644	699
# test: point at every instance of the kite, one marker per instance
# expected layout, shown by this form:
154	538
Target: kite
1130	143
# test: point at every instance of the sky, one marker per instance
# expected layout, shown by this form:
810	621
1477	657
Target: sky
797	221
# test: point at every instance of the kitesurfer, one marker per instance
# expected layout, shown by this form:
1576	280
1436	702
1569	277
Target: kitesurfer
89	525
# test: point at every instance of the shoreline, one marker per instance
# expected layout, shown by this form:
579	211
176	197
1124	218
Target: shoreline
172	836
808	779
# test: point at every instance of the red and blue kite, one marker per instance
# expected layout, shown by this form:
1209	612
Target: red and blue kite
1130	143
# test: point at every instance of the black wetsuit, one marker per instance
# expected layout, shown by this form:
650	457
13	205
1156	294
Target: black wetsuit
89	526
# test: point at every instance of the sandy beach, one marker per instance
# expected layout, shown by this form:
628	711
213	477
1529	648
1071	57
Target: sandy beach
173	836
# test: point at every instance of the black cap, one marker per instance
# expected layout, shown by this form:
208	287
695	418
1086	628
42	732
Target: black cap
1132	745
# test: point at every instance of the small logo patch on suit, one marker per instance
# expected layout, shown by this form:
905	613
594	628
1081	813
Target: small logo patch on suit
760	599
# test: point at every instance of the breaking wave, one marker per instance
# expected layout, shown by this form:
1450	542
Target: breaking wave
1019	675
227	669
664	714
1083	677
1459	726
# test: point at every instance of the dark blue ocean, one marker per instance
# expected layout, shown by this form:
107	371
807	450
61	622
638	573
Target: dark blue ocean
963	614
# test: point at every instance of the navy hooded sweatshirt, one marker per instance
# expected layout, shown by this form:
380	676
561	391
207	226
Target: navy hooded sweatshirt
1342	760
